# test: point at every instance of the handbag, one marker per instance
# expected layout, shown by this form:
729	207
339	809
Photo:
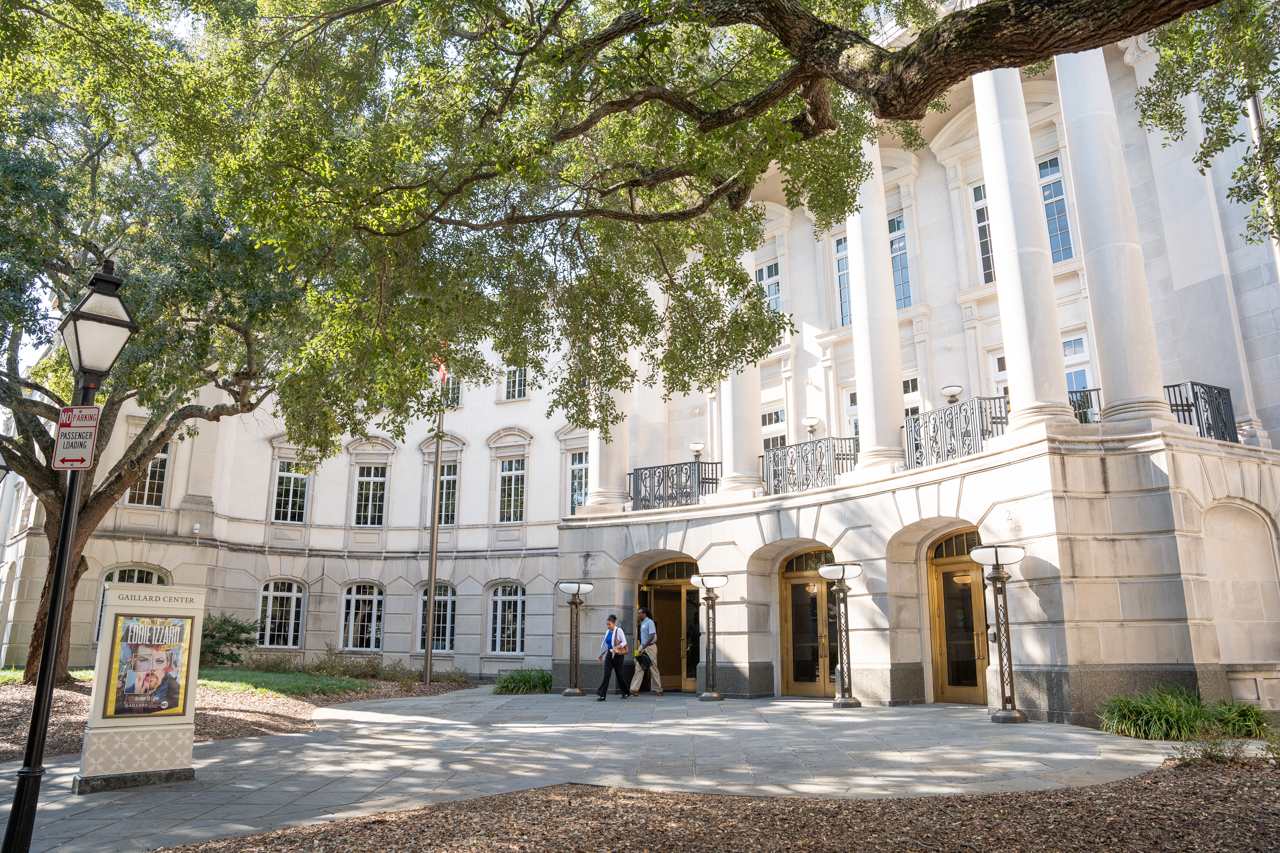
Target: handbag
644	661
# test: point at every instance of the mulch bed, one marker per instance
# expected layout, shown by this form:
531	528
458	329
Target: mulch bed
1177	807
220	714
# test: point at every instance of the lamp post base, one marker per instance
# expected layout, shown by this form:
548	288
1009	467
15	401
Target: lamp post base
710	696
573	691
1009	715
850	702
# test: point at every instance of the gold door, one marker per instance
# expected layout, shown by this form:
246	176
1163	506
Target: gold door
674	604
959	623
810	647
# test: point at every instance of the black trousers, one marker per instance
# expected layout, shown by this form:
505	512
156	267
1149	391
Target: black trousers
612	665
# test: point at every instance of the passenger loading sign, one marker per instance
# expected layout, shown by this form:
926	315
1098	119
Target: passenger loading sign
77	434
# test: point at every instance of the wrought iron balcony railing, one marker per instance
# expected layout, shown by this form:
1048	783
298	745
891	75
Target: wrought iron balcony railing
808	465
1205	407
678	484
1087	403
955	431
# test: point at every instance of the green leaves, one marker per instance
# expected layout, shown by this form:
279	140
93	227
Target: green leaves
1224	56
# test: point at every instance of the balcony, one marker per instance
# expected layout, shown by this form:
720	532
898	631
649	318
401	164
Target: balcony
1087	404
1205	407
808	465
678	484
955	431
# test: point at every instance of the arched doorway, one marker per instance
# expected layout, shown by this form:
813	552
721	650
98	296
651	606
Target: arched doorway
810	638
959	621
673	600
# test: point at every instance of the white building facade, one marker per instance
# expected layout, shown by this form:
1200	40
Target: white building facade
1043	328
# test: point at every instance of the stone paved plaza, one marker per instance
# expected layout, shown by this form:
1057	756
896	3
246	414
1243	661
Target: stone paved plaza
403	753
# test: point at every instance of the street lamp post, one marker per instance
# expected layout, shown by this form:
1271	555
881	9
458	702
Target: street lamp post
997	557
709	584
94	333
841	573
575	590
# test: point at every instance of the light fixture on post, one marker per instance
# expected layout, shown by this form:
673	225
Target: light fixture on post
697	447
952	393
94	332
996	557
709	584
575	590
811	424
842	573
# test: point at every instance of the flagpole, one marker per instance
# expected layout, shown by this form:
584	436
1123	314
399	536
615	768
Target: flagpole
430	616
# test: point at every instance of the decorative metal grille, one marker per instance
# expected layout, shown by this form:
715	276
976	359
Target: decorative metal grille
808	465
955	431
678	484
1087	404
1205	407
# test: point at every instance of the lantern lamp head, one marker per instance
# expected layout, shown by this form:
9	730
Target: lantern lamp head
96	330
575	587
840	571
998	555
709	581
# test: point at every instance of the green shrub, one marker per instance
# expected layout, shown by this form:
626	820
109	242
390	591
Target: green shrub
524	681
223	637
262	660
1241	721
1176	713
279	683
450	676
1211	744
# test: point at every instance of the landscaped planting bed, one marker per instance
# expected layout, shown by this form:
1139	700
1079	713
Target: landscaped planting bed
229	704
1175	808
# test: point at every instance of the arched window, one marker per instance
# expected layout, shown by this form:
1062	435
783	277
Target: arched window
125	576
442	627
506	632
809	562
280	615
362	617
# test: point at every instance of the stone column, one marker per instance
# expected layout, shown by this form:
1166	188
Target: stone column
607	469
740	440
1119	301
1023	261
877	353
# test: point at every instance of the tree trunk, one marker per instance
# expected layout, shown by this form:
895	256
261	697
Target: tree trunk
79	566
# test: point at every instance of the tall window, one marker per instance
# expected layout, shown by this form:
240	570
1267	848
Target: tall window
448	493
280	615
578	480
515	383
506	633
126	576
442	626
1076	358
149	491
985	258
371	495
291	493
842	279
898	257
1055	209
773	442
362	617
768	277
511	491
452	392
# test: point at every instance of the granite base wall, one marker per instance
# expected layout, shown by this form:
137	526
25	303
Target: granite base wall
1072	694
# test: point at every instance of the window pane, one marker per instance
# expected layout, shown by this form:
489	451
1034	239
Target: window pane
449	493
371	487
1055	214
511	491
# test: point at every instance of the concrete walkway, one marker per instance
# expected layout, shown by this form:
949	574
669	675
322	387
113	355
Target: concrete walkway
403	753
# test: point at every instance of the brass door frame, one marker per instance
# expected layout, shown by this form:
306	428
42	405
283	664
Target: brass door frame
687	685
942	692
825	687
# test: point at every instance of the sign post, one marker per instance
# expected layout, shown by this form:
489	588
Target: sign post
77	436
